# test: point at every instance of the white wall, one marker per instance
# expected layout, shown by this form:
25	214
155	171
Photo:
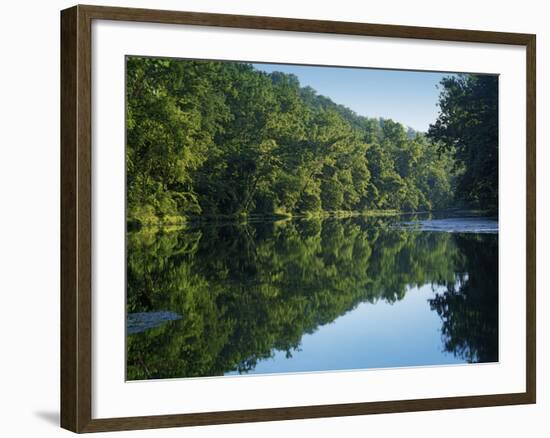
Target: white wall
29	219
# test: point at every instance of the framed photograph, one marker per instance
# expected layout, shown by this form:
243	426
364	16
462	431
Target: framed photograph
270	218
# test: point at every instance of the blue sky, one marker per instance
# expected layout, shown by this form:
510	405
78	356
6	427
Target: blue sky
408	97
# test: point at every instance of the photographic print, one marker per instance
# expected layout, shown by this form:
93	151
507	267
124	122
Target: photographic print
294	218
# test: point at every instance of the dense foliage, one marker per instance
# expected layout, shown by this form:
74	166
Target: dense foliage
245	291
468	128
224	139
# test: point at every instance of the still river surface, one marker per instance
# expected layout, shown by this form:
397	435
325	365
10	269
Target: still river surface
312	295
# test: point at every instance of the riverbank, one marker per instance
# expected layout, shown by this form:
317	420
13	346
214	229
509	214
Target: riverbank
179	221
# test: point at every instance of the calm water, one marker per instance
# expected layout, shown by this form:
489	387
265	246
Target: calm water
311	295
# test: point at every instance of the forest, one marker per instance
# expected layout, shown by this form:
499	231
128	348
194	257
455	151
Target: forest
210	139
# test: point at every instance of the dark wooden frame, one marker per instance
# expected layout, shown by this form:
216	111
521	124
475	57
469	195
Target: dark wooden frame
76	218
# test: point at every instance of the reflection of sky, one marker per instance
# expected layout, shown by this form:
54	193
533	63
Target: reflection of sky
405	333
409	97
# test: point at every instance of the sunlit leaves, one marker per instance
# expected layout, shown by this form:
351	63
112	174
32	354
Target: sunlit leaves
217	139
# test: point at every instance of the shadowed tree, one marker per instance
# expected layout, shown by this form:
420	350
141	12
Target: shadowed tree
467	126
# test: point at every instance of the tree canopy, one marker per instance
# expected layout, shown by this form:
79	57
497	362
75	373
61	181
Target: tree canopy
209	138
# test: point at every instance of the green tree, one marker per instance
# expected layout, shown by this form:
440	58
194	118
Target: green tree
468	127
209	139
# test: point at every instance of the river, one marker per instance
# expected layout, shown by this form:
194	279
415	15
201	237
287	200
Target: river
285	296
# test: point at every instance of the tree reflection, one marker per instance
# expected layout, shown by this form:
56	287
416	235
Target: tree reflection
468	307
245	291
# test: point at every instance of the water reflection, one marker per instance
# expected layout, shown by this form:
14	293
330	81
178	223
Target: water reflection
252	295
